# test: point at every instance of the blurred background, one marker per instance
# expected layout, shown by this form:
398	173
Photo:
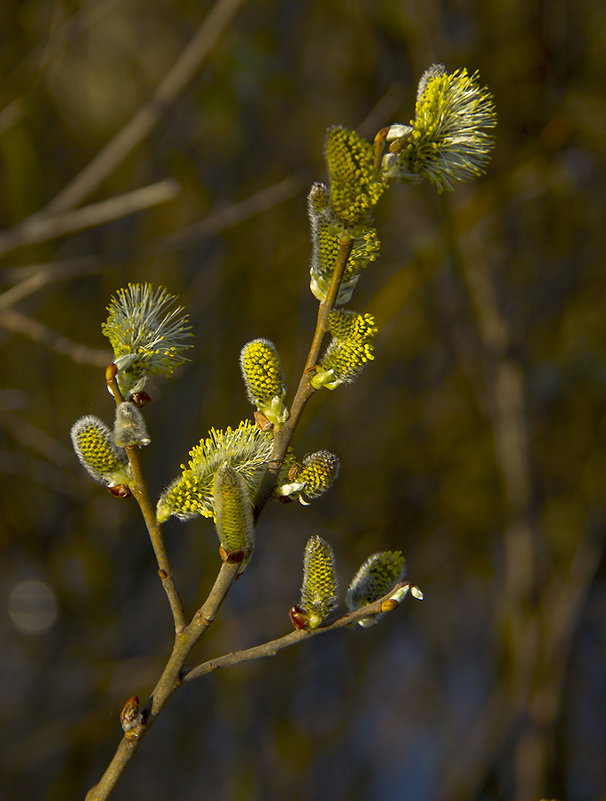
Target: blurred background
175	142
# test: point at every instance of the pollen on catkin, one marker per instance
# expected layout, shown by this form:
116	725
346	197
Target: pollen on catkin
447	142
319	588
310	478
355	185
326	242
264	380
375	578
98	453
148	333
318	472
233	511
246	448
351	346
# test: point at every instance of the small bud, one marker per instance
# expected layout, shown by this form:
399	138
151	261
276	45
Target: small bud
233	514
119	490
262	422
129	426
299	618
140	399
98	453
263	379
294	470
110	372
131	718
319	589
233	557
379	573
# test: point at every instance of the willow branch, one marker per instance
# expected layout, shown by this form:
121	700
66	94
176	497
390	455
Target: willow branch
170	681
141	495
305	390
273	647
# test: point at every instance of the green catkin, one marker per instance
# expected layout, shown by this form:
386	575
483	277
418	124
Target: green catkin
148	333
307	480
326	242
318	472
99	455
350	348
233	511
246	448
319	588
355	185
446	141
264	380
375	578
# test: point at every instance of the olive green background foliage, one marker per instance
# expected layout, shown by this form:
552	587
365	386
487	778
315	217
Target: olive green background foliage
477	430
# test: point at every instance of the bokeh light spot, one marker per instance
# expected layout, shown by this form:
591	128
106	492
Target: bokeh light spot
32	606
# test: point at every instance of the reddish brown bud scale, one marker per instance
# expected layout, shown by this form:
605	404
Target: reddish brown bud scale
131	718
262	421
389	605
139	399
120	490
110	372
294	471
233	558
299	618
381	135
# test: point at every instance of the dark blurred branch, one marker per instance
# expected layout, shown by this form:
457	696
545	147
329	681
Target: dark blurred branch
506	388
34	277
148	116
44	227
216	221
19	323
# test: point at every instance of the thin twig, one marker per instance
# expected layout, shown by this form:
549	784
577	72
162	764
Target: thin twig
42	275
147	117
154	528
255	204
173	676
273	647
44	227
19	323
170	681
